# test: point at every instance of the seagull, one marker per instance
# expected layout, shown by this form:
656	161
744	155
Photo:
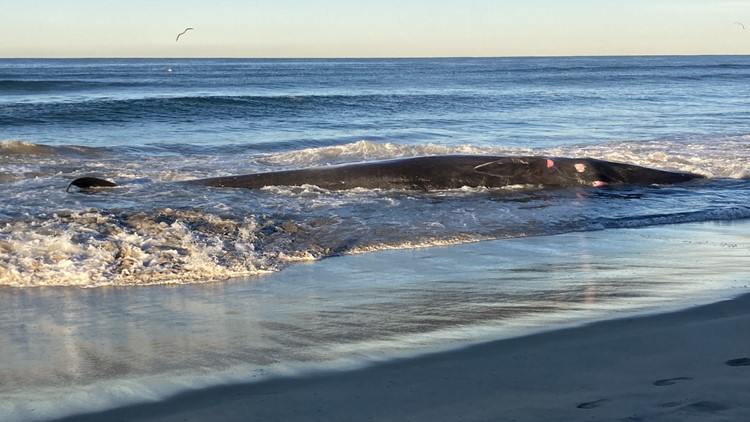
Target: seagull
189	29
740	24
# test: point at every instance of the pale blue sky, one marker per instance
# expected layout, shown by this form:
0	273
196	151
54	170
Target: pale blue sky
374	28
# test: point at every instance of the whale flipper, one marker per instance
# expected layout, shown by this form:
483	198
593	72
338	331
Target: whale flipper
90	183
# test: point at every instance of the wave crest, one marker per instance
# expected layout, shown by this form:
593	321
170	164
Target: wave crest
23	148
365	150
708	158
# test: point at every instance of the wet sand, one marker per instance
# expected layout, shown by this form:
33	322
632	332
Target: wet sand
691	365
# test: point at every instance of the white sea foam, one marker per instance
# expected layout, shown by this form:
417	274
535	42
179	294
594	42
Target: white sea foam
365	150
722	157
91	249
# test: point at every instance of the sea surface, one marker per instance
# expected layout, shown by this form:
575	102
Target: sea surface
99	289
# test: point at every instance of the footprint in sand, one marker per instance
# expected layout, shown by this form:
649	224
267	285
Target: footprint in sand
739	362
705	407
670	381
591	404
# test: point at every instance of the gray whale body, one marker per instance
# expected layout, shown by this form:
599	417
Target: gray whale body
447	172
456	171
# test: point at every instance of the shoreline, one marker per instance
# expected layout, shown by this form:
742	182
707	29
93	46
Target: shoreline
296	332
686	365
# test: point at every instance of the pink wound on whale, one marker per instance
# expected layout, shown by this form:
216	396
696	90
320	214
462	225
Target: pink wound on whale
550	163
598	183
580	167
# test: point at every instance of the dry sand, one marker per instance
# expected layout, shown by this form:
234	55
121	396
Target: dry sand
692	365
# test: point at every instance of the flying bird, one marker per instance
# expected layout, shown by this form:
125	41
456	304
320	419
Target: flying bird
740	24
182	33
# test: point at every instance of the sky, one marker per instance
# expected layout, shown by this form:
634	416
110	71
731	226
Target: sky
371	28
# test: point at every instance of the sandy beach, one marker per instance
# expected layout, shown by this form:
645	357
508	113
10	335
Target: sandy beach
691	365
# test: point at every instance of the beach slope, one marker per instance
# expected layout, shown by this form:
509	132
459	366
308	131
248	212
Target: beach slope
690	365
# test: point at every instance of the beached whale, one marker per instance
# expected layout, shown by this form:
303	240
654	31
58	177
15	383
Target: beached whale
446	172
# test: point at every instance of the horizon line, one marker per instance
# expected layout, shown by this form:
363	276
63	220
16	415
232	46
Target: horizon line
362	57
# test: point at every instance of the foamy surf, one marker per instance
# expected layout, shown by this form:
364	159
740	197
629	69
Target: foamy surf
94	249
91	248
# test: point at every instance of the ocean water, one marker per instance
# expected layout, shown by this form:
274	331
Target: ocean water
137	123
196	268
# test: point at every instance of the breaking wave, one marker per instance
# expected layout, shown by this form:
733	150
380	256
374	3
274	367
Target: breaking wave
12	148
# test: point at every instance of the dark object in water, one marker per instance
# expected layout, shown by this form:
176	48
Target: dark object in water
90	183
448	172
739	362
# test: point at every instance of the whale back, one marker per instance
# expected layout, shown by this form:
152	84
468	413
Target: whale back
445	172
558	171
